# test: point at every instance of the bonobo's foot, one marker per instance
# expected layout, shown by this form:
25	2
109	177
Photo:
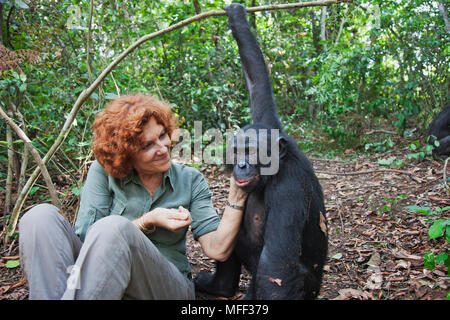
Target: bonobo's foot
207	282
235	12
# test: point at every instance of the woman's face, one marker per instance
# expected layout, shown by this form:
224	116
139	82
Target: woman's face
154	157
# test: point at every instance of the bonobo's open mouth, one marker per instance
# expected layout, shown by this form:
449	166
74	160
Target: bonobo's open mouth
242	183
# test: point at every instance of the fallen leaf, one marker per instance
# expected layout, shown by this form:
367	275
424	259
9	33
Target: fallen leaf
349	293
375	281
277	281
374	260
402	254
337	256
323	225
403	264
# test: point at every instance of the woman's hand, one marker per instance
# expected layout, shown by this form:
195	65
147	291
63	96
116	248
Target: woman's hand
236	195
170	219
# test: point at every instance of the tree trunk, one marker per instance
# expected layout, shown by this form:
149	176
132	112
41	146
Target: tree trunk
444	15
323	36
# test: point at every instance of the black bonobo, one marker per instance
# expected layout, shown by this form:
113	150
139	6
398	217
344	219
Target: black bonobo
283	238
439	130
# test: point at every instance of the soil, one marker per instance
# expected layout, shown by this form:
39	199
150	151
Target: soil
376	247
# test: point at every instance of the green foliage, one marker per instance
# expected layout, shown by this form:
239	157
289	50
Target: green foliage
388	202
439	228
382	63
370	71
11	264
421	152
379	147
391	162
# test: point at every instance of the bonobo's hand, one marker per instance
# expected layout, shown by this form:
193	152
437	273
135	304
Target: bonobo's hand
170	219
236	194
235	12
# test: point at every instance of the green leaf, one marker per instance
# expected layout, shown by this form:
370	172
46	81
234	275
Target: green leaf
110	95
33	190
21	4
442	257
337	256
437	229
12	264
76	191
386	162
429	260
423	210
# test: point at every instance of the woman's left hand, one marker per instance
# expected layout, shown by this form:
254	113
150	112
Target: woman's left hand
170	219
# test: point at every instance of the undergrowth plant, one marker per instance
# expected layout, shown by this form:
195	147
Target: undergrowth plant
439	228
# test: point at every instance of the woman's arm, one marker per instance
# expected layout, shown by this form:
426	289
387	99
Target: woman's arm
219	244
95	199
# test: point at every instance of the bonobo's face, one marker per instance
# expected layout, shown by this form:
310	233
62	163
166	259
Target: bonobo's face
253	155
246	172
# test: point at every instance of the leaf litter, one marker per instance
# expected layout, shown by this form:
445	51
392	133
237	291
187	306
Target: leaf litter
376	247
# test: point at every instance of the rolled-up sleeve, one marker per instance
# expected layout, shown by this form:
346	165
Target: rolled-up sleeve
95	199
204	216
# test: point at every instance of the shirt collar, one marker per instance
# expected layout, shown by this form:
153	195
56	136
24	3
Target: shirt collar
168	175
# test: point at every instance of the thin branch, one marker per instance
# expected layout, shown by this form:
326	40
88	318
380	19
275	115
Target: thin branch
35	154
88	49
341	27
85	94
368	172
445	174
444	16
9	177
323	36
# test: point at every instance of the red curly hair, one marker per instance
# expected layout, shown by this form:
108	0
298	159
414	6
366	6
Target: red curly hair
118	130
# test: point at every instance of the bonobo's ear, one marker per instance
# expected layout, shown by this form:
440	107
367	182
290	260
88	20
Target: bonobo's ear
283	146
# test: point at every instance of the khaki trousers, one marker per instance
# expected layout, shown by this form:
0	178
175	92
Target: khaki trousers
116	260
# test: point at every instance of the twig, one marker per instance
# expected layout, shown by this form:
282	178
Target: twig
115	84
88	45
418	180
362	172
35	155
443	201
326	160
9	177
445	174
85	94
380	131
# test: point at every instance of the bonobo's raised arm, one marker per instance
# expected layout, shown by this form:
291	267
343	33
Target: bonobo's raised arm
256	74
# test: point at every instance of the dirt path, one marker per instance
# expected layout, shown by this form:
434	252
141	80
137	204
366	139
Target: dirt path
376	247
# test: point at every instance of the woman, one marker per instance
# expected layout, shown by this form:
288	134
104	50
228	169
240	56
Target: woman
136	205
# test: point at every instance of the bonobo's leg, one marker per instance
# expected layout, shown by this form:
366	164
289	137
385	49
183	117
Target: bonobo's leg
256	74
444	148
224	282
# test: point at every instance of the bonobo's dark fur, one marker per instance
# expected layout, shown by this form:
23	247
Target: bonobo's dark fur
439	130
283	238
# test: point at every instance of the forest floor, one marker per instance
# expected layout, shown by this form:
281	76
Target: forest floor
376	247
